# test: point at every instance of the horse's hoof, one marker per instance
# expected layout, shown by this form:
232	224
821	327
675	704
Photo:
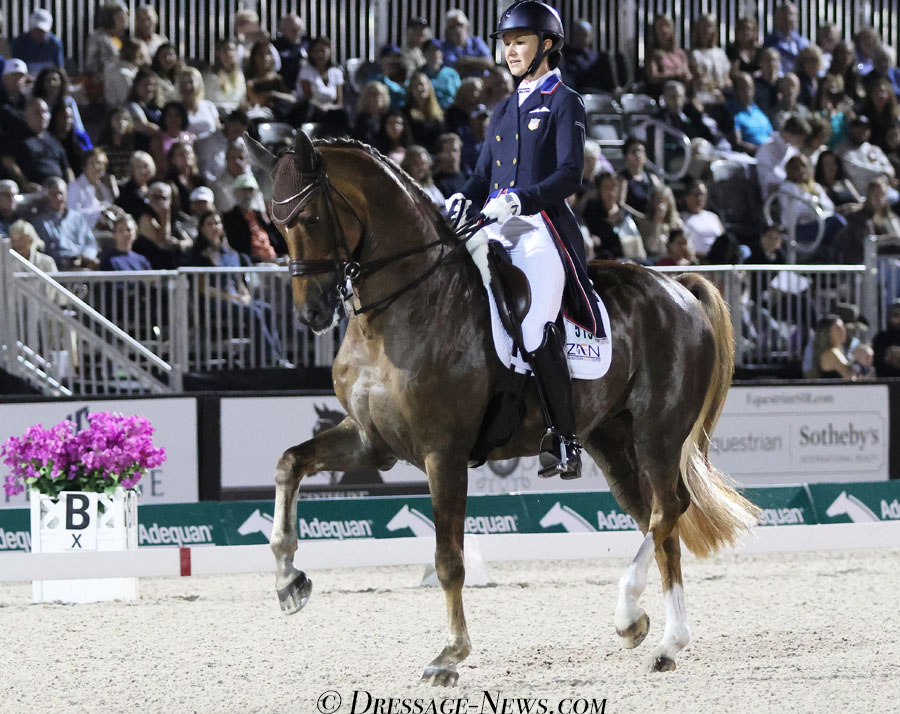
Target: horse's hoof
660	663
293	596
635	633
440	676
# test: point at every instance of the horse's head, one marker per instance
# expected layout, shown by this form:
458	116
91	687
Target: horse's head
320	225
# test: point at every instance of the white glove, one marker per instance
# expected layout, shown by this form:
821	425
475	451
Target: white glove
457	206
502	207
477	246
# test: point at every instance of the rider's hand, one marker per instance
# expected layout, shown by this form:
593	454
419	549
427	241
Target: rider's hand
457	206
502	207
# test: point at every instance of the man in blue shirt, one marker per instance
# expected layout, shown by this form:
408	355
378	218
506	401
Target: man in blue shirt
39	47
751	126
468	55
785	37
67	235
444	79
392	75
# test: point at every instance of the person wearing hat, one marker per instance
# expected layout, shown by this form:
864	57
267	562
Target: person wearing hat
13	96
392	74
864	161
39	47
886	344
444	79
225	186
249	230
532	160
473	139
418	31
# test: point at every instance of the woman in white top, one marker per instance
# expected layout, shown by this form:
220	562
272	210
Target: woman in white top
225	84
701	227
94	191
322	83
799	196
203	117
709	63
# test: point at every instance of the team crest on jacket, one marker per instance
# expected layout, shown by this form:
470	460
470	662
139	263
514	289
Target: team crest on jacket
534	123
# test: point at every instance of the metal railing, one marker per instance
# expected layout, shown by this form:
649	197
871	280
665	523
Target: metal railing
791	218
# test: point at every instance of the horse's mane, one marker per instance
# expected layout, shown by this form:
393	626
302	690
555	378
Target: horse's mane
424	203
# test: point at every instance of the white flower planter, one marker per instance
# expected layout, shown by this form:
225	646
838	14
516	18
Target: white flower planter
83	521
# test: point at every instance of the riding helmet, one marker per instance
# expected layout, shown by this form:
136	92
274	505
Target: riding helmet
535	16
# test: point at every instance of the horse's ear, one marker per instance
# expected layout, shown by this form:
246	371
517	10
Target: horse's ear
262	157
306	157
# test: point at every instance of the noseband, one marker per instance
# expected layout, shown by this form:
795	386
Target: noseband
343	264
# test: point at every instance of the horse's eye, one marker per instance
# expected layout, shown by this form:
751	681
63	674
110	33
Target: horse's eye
310	220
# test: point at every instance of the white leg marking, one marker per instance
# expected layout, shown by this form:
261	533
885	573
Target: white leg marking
677	633
632	584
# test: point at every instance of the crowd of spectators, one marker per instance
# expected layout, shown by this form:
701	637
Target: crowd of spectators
121	166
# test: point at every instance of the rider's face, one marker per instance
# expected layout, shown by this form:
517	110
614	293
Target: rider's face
519	48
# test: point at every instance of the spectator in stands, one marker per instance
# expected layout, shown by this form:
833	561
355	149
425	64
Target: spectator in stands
119	74
118	141
247	32
39	47
145	23
13	97
467	54
291	46
772	157
709	64
661	219
666	61
392	74
133	196
678	250
250	231
684	116
880	107
843	64
182	174
66	233
809	68
864	161
27	243
8	192
867	40
612	230
638	183
417	163
744	51
447	171
52	85
142	105
817	141
701	226
498	85
784	37
892	146
827	38
94	191
76	143
751	126
321	84
161	238
883	68
468	96
765	81
224	82
394	137
828	358
31	159
875	218
886	344
418	32
832	104
265	87
202	200
121	256
167	66
105	42
210	150
769	251
830	175
594	163
798	192
444	79
579	61
203	117
787	104
373	104
473	139
174	128
225	185
423	113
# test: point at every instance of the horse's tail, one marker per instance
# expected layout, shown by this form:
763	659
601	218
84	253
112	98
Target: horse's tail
717	514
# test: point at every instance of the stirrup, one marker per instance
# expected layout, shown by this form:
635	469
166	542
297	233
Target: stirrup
559	456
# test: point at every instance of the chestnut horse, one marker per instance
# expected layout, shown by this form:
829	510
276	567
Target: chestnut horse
416	368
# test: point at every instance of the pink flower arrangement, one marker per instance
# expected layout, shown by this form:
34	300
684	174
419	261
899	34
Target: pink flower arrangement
112	451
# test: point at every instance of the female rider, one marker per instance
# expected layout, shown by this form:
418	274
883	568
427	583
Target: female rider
531	161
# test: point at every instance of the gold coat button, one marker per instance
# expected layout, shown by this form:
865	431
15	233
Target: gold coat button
515	161
496	185
498	163
517	136
498	137
512	183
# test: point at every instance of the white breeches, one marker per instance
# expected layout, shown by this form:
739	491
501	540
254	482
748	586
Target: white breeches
532	250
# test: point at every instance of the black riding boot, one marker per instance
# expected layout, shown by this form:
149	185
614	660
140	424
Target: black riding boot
560	450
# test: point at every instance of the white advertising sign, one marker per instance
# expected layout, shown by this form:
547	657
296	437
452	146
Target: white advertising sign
175	421
797	433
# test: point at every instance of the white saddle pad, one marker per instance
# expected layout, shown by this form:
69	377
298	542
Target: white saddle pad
588	356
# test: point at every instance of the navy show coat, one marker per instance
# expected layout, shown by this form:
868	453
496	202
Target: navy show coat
537	151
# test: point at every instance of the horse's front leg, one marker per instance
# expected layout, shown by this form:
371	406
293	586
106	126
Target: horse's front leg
447	479
341	448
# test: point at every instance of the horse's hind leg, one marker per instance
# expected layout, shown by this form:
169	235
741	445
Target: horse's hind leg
341	448
448	481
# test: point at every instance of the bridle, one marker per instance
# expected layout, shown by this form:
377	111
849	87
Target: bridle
344	263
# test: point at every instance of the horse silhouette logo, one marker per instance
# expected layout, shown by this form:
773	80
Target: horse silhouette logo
564	516
414	520
257	522
853	508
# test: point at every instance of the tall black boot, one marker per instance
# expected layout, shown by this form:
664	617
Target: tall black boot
560	451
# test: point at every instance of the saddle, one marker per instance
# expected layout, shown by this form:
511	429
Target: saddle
511	291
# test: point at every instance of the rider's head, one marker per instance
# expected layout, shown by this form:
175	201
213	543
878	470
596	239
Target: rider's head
532	34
